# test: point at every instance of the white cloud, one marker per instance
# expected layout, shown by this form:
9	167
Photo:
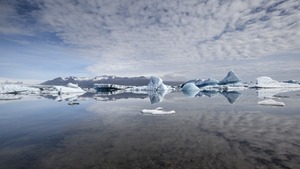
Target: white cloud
162	37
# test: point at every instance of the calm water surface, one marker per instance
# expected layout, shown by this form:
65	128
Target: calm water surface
111	132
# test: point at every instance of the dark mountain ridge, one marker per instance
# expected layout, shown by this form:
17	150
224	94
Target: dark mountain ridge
88	83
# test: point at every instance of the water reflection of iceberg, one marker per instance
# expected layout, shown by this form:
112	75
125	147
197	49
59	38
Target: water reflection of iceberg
68	97
156	96
272	92
115	96
231	96
210	94
7	97
190	93
270	102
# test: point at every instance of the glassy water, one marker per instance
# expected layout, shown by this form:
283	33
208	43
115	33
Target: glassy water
211	130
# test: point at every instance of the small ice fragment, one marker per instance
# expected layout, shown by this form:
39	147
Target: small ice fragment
157	111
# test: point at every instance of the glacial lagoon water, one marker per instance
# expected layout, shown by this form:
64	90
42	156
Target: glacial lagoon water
212	130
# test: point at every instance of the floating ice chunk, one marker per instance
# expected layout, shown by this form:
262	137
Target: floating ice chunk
267	82
156	84
206	82
190	87
157	111
64	89
15	89
230	78
72	85
270	102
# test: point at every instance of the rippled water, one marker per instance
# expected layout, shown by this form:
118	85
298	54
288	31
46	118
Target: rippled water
111	132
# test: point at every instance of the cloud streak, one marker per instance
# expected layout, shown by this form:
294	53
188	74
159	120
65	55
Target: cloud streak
154	37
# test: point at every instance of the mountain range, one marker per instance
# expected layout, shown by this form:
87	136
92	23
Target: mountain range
89	82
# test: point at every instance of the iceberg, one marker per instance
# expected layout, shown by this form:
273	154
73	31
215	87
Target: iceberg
206	82
267	82
156	96
230	83
72	85
190	87
64	90
231	96
230	78
156	84
157	111
270	102
16	89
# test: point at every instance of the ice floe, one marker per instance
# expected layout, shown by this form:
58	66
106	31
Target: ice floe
156	84
190	87
230	79
15	89
70	88
157	111
267	82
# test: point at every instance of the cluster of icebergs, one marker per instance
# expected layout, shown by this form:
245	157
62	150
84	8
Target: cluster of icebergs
229	87
230	83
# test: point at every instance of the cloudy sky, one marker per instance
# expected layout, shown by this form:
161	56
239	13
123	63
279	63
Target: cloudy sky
173	39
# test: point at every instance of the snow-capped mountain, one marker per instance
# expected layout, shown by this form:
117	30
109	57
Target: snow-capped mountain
89	82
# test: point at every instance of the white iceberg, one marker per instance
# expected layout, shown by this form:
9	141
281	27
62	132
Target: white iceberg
190	87
230	78
64	89
230	83
206	82
157	111
267	82
15	89
156	84
72	85
270	102
70	88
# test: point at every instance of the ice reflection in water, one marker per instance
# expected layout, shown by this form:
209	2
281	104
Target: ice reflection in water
205	132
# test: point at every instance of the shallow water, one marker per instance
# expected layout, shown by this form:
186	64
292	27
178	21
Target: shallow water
109	131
